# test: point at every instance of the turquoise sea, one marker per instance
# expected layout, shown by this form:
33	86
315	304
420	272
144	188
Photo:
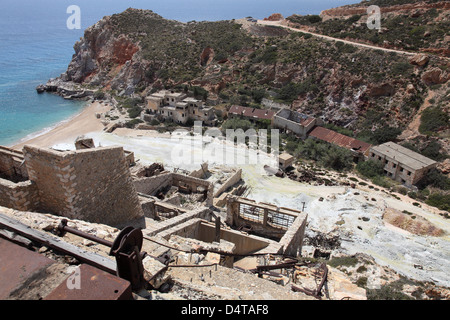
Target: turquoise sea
36	45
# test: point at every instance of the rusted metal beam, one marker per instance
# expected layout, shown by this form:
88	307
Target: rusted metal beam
58	245
63	228
288	264
317	292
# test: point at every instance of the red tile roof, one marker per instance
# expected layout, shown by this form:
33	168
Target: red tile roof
340	139
251	112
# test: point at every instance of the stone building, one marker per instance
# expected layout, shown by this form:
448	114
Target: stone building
295	122
402	164
285	160
94	185
177	107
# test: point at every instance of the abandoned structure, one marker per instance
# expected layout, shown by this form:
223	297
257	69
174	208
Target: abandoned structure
92	184
402	164
285	160
171	209
360	149
251	114
294	122
179	108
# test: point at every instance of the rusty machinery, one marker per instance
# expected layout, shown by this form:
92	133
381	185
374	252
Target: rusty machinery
126	248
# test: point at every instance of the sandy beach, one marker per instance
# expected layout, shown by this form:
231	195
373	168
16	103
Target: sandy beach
67	132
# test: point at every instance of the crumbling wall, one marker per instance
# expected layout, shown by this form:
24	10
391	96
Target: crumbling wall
244	243
152	185
200	173
267	220
94	185
292	240
235	178
159	228
11	165
195	185
21	196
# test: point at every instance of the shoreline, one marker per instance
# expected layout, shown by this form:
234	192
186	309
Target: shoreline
67	131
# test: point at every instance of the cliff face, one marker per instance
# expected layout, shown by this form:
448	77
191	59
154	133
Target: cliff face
103	59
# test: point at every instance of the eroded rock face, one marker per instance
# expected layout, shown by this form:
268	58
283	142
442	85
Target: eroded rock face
275	17
207	56
385	89
435	76
97	51
419	60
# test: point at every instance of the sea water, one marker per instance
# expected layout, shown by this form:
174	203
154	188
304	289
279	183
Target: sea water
36	45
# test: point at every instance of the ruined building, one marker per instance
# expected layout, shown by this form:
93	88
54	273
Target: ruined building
179	217
92	184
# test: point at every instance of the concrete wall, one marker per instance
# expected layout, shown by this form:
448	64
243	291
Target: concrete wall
200	173
281	120
235	178
161	228
94	185
245	244
152	185
292	240
21	196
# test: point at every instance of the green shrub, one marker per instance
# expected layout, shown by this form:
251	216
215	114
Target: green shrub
134	112
440	201
361	282
132	123
433	119
385	134
370	168
343	261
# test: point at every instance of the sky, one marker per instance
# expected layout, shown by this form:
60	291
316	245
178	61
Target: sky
182	10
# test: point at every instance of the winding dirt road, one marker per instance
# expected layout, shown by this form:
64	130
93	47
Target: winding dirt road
282	23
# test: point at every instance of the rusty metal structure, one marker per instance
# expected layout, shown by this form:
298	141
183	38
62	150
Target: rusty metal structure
126	248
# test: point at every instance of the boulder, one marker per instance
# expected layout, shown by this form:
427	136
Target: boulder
435	76
207	56
419	60
385	89
275	17
40	88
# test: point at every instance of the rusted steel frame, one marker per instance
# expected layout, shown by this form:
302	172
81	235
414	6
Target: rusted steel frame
288	264
62	228
307	291
91	258
324	278
314	293
192	265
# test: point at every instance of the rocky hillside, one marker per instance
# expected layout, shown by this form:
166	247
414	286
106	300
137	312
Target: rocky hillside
418	26
137	52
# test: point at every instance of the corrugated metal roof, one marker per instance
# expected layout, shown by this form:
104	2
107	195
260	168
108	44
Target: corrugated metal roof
340	139
404	155
251	112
